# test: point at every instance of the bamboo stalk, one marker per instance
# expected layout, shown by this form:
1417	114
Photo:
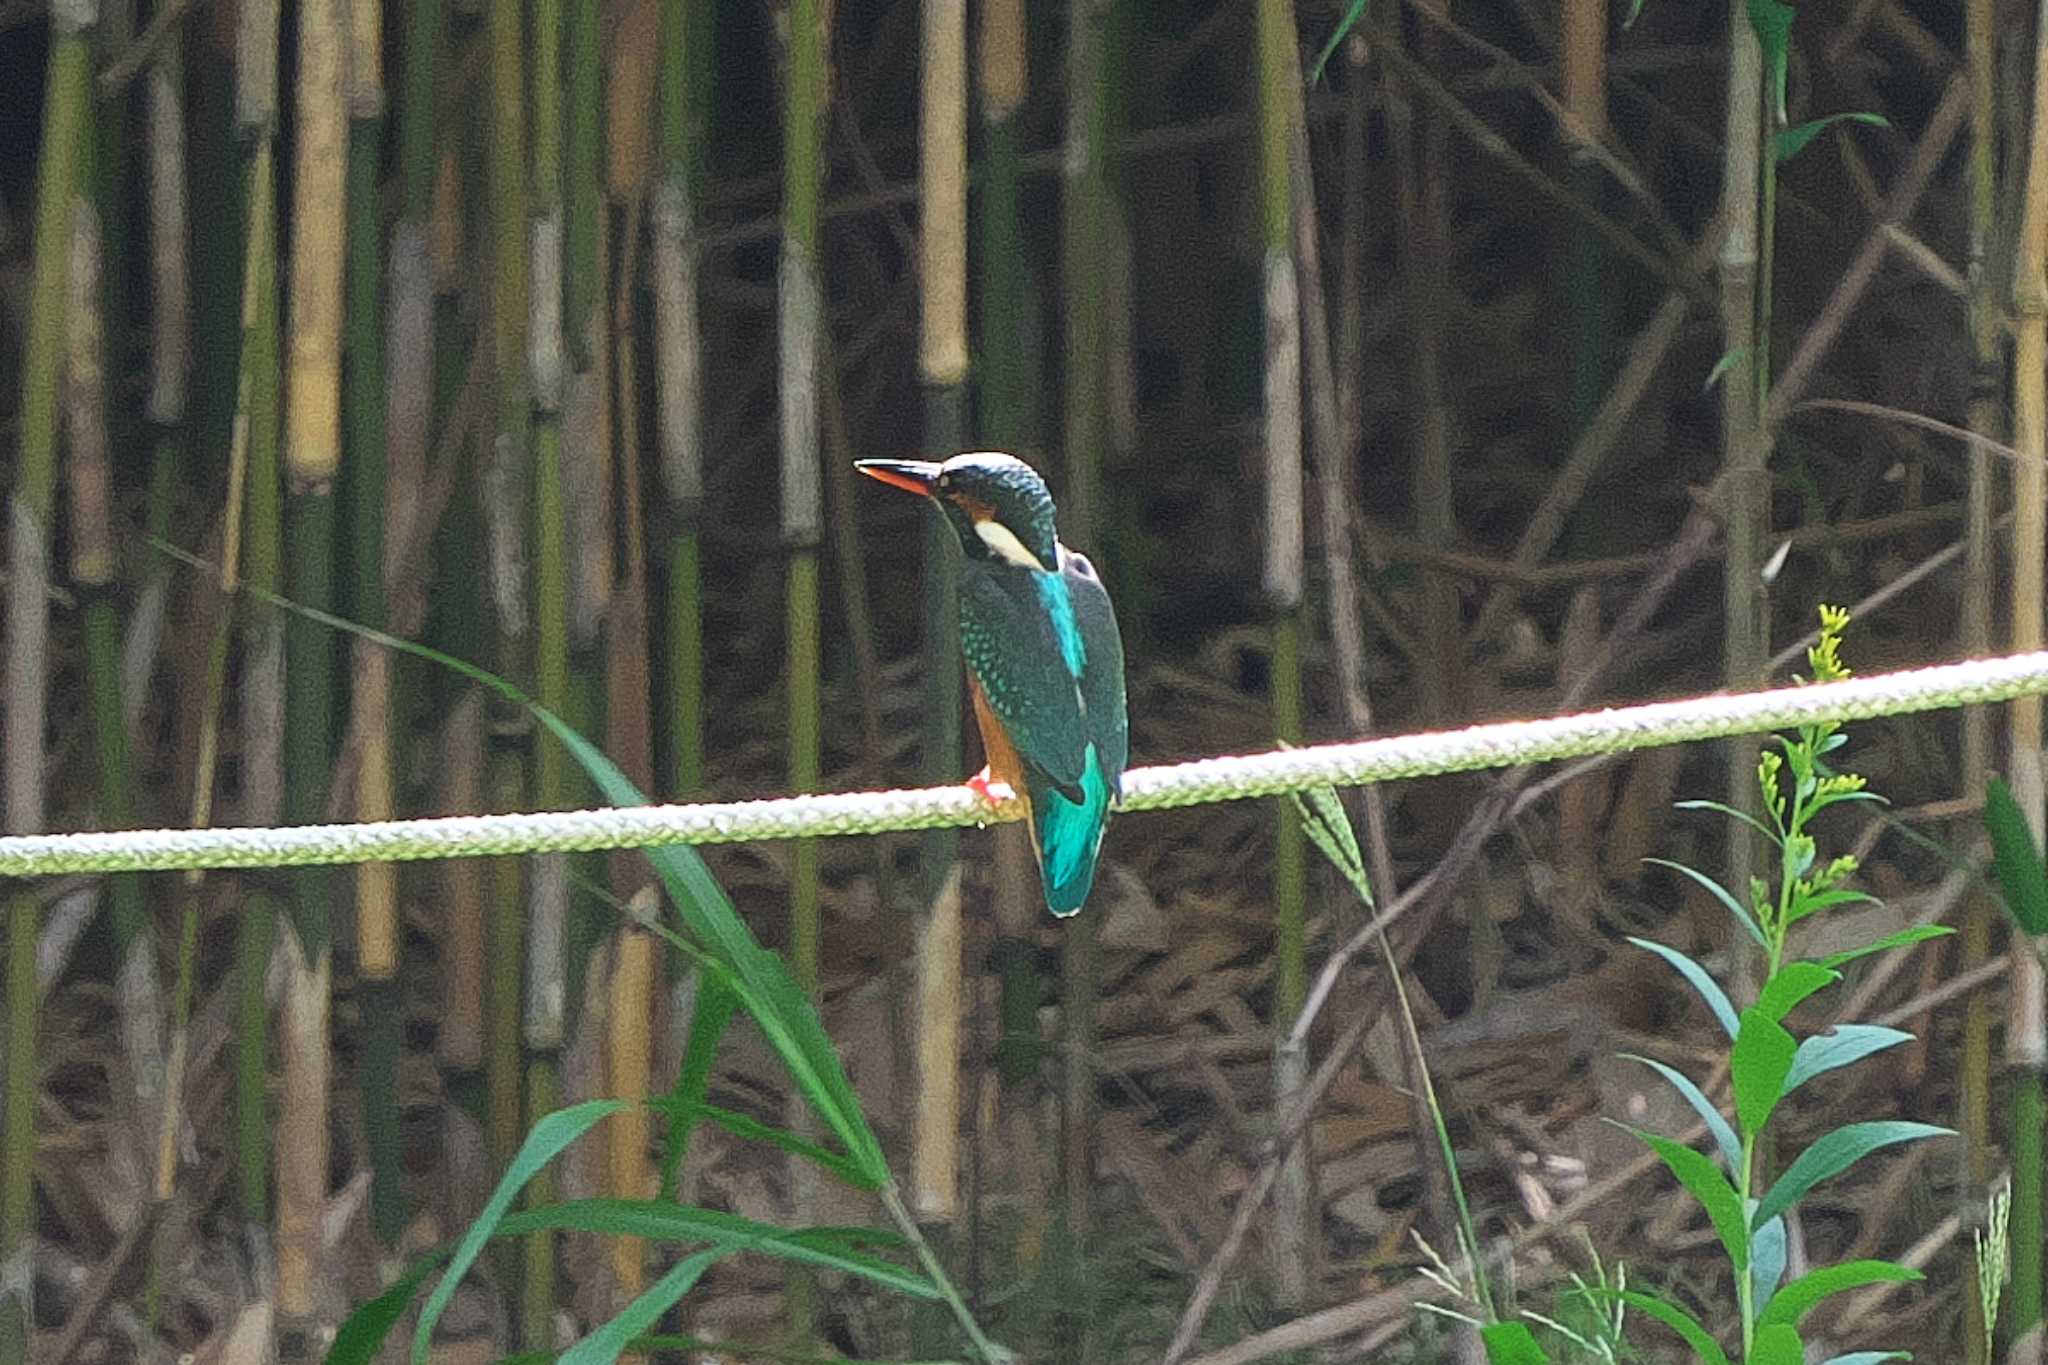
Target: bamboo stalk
1986	324
312	455
549	969
681	92
800	324
943	371
67	112
1745	439
263	678
1291	1246
2026	1041
1084	212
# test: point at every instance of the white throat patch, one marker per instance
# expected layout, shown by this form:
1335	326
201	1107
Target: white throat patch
1003	541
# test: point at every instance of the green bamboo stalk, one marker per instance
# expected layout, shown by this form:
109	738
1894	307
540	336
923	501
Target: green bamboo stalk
263	677
1291	1245
2026	1034
67	112
93	555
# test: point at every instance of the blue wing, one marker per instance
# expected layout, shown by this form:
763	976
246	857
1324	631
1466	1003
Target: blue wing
1015	651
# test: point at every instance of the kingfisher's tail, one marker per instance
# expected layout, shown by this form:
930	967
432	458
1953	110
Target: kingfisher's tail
1067	837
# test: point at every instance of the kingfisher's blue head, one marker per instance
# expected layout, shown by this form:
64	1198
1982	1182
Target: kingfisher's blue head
997	504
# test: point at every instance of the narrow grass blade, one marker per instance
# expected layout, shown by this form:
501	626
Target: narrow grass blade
753	1130
608	1342
2022	881
713	1012
547	1139
659	1221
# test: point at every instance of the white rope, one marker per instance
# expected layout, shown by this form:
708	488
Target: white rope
1181	784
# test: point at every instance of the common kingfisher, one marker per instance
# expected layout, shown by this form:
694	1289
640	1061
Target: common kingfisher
1044	657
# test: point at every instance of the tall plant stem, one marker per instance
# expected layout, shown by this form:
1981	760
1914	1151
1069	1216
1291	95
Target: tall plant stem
1745	437
1084	247
1986	326
943	372
264	677
312	458
2026	1038
67	113
1292	1247
801	321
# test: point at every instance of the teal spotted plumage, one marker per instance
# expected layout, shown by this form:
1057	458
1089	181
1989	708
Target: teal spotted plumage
1042	645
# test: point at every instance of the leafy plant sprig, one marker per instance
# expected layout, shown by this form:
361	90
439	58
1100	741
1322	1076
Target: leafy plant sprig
1766	1063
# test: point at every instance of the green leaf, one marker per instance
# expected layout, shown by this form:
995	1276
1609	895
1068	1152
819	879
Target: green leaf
1511	1343
658	1221
1697	1172
1716	998
2022	881
1758	1065
548	1138
608	1342
1867	1357
753	1130
1772	23
1766	1259
1918	933
1835	1153
1790	142
1722	807
1329	829
1721	894
1350	21
1728	361
1678	1320
1792	1303
1794	982
708	1021
362	1333
1723	1134
1777	1344
1825	900
1845	1044
781	1010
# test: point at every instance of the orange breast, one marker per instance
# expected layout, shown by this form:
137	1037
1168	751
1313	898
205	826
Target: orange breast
1003	763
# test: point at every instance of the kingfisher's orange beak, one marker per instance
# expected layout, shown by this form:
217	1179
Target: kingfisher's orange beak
912	476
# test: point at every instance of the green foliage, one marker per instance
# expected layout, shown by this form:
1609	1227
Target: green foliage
1790	142
737	972
1766	1063
2022	882
1353	16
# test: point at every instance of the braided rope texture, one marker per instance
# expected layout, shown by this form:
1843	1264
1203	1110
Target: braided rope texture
1206	780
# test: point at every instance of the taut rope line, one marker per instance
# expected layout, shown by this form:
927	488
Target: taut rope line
1498	745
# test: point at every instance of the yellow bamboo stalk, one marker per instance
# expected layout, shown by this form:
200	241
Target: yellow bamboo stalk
313	374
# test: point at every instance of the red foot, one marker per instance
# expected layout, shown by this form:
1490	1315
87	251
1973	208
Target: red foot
993	790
